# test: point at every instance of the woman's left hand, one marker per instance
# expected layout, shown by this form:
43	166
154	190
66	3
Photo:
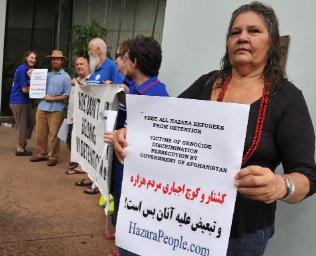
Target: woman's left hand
259	183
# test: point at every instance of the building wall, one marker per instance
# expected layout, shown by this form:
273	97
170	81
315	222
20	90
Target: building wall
107	13
3	5
193	44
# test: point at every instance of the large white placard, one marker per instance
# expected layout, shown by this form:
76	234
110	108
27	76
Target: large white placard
38	84
178	195
91	114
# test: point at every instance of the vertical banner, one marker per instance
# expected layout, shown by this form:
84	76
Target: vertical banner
178	195
38	84
92	105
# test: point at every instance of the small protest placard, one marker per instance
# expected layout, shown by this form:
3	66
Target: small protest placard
38	84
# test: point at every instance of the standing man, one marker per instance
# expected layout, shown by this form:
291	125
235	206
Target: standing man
82	70
102	68
49	114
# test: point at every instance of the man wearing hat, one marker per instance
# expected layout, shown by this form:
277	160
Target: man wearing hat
49	114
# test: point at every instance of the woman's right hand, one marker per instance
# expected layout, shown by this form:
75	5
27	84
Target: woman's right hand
120	143
29	72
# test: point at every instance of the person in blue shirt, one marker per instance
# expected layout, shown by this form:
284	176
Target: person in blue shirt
49	114
102	68
20	104
142	59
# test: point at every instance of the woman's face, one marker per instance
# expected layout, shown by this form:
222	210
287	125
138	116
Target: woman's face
31	60
249	41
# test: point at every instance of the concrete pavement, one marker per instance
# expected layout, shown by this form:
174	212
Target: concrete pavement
42	212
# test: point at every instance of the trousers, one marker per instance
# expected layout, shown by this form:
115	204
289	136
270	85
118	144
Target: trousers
47	127
24	122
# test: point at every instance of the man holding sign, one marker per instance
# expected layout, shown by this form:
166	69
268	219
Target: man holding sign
49	115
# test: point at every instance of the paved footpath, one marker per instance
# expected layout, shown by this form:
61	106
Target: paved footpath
42	212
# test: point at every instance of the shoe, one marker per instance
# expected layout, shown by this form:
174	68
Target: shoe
38	158
84	183
92	191
23	153
51	162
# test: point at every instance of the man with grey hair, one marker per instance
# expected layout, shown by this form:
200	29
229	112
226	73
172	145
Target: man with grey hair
102	68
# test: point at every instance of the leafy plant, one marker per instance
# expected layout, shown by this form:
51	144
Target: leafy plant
80	37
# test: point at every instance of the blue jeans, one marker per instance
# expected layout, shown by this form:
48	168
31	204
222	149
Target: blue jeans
252	244
123	252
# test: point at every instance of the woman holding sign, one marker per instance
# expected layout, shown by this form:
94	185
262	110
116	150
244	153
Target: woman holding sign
279	129
20	104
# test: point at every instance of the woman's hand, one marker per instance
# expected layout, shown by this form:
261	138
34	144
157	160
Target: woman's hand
120	143
109	137
29	72
259	183
25	89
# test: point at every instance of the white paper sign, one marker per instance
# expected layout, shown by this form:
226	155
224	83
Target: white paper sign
91	103
178	195
63	131
38	84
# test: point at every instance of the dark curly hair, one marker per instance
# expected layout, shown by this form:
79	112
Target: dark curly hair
146	53
272	72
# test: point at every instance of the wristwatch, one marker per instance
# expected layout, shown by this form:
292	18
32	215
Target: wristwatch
290	188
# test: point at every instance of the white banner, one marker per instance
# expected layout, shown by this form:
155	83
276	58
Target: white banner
91	111
178	194
38	84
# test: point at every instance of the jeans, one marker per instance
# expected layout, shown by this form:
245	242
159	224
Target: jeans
124	252
252	244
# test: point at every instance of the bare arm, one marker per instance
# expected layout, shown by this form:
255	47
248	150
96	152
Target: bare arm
56	98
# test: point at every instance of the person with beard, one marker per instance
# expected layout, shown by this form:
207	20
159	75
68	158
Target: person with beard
102	68
49	114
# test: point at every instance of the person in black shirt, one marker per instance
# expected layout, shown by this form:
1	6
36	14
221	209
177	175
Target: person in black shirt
279	129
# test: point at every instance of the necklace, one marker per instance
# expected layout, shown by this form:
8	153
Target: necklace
260	118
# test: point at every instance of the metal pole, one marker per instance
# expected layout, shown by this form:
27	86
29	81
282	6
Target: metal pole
134	20
155	20
123	4
58	23
33	25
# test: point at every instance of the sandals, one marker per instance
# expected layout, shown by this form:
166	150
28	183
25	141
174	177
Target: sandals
84	183
91	191
75	171
72	165
38	158
110	235
115	253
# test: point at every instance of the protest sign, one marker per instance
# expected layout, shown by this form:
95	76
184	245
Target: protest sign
91	106
38	84
178	194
